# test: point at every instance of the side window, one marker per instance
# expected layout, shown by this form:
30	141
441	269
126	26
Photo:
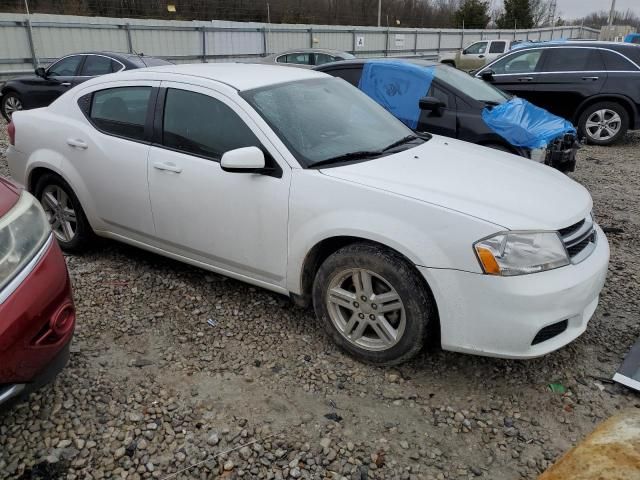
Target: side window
201	125
476	48
67	67
524	62
299	58
322	58
572	60
614	62
99	65
351	75
440	94
121	111
497	46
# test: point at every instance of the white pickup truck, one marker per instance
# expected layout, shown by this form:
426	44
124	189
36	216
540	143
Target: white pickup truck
478	54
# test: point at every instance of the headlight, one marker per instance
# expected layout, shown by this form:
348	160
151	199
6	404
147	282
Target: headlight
519	253
23	231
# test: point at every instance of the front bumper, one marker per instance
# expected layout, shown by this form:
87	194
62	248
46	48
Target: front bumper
37	319
561	153
501	316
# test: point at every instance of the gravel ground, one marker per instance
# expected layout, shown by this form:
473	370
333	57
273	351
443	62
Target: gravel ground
152	388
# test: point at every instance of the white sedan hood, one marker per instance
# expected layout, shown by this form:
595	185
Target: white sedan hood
504	189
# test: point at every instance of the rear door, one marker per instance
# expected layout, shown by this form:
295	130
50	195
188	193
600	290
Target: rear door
568	76
110	154
517	73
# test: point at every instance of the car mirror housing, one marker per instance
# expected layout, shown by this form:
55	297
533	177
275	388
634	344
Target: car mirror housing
487	75
41	72
431	104
243	160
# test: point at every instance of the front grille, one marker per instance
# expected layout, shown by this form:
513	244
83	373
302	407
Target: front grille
550	331
579	239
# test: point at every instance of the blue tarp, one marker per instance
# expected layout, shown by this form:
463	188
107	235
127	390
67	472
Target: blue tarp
525	125
397	86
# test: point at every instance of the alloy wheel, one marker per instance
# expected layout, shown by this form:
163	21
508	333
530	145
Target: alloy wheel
12	104
60	212
603	124
366	309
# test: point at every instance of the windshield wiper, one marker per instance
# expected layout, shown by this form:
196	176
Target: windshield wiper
406	139
346	157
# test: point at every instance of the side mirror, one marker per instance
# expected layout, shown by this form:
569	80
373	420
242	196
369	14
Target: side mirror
487	75
243	160
431	104
41	72
464	51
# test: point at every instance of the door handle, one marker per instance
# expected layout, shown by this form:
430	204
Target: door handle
170	167
66	84
525	79
480	56
590	78
77	143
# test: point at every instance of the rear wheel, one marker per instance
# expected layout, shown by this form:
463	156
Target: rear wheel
373	304
11	102
603	123
64	212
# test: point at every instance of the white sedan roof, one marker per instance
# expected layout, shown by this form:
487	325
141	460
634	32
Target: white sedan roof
241	76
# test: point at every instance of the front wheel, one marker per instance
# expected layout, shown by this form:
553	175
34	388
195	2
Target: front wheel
603	123
373	304
11	102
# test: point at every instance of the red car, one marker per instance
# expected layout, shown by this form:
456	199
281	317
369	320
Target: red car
37	315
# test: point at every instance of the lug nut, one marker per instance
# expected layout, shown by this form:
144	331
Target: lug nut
361	315
372	317
363	298
374	306
356	304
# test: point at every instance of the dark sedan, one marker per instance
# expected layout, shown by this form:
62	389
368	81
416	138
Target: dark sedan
47	84
452	105
596	85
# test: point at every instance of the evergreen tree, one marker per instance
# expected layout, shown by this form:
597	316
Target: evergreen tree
517	14
472	14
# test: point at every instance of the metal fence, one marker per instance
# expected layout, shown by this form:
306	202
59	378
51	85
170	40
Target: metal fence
26	42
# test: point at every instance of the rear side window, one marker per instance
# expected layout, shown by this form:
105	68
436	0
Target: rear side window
497	47
572	60
297	58
615	62
67	67
201	125
99	65
351	75
121	111
322	58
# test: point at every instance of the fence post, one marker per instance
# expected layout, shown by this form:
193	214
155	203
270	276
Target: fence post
499	34
481	34
32	48
386	43
439	40
415	44
204	44
127	29
462	40
264	41
311	38
353	41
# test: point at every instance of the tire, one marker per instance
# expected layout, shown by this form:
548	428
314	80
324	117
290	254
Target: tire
410	308
11	101
51	185
615	123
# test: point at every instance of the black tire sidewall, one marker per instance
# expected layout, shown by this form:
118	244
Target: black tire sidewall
419	307
619	109
84	232
3	102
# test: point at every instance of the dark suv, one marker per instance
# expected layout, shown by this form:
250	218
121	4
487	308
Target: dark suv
596	85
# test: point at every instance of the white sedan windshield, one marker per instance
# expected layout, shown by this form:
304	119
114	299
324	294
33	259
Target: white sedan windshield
321	119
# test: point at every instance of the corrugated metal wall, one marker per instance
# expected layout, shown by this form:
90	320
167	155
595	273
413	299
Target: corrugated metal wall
52	36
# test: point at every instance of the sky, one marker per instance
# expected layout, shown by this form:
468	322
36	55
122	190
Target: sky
579	8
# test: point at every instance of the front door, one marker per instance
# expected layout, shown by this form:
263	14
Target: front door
444	120
473	56
236	222
60	77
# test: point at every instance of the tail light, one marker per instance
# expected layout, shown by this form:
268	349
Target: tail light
11	130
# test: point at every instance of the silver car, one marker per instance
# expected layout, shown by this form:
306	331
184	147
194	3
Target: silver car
306	57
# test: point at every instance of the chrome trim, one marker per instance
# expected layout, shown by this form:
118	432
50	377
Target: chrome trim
586	231
527	49
122	65
580	234
12	391
13	285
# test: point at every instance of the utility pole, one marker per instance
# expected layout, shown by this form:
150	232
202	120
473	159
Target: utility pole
612	13
551	20
379	11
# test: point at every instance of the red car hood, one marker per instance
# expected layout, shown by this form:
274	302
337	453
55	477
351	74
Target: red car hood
9	194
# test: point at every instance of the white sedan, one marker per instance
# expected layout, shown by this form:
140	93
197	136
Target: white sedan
299	183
